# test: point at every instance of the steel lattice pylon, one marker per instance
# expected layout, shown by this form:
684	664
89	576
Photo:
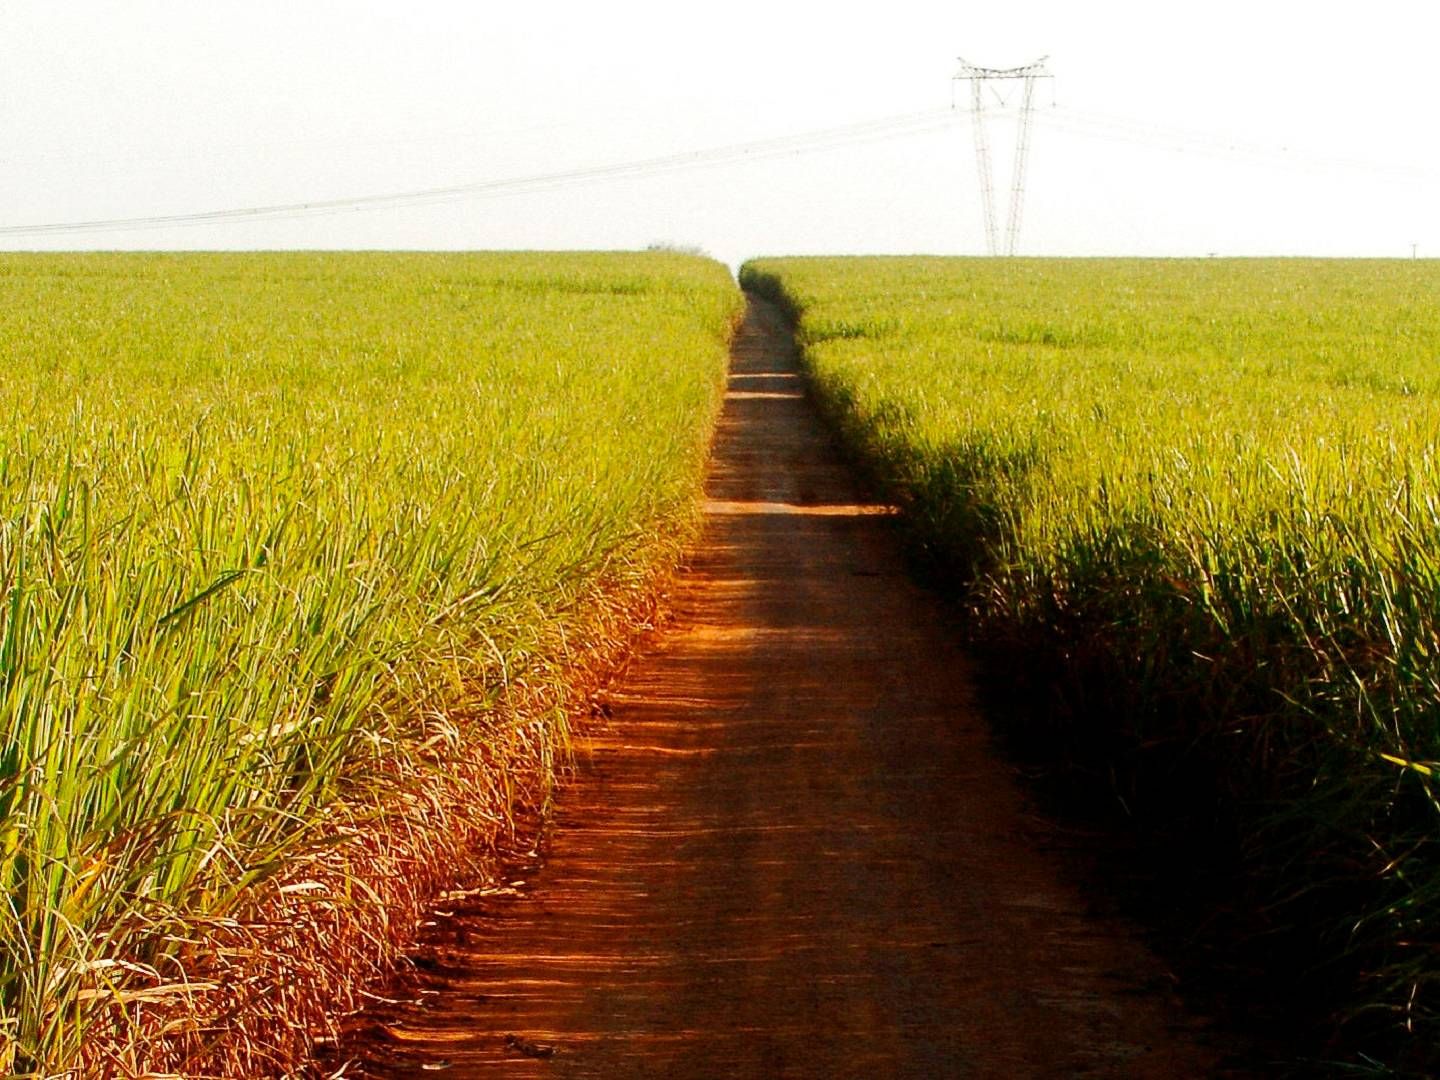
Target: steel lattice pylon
977	77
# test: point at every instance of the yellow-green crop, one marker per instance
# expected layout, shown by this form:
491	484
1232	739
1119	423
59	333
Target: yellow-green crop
1208	492
261	517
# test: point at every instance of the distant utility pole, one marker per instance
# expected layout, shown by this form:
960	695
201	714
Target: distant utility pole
978	77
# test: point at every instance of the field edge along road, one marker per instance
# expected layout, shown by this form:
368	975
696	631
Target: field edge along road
793	851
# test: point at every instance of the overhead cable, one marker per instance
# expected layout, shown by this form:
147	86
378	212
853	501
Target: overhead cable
900	126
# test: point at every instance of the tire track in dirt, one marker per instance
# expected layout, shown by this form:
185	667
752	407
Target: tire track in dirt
793	852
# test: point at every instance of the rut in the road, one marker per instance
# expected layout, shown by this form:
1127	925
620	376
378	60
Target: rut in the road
793	852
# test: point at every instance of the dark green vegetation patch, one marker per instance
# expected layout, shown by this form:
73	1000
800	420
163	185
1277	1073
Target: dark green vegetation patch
1204	497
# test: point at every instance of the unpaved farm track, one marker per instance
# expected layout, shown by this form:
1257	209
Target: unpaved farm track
793	852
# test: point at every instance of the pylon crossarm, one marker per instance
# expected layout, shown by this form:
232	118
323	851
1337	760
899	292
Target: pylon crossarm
1035	70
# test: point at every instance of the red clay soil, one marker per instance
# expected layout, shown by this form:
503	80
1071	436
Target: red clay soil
793	851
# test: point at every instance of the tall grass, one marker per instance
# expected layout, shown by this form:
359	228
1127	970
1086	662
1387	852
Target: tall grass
1208	494
268	523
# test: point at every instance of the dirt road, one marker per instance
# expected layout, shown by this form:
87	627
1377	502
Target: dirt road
794	854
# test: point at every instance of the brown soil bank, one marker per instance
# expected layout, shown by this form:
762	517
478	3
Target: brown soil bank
794	853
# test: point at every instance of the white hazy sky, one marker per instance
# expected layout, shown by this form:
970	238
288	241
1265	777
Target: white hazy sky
1249	127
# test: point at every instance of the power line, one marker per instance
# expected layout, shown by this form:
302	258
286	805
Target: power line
119	158
1090	125
903	125
1112	128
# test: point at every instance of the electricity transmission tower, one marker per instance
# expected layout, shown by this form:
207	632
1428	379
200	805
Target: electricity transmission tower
978	77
